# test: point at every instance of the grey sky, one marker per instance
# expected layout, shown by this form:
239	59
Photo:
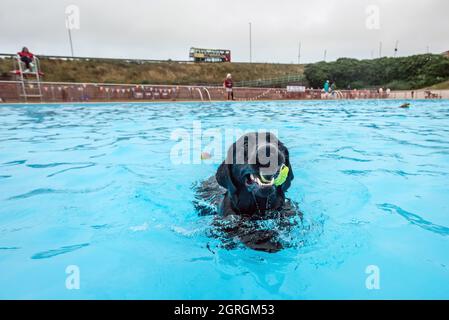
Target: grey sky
162	29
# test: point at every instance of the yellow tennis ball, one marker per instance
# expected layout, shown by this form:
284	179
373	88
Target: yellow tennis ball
283	174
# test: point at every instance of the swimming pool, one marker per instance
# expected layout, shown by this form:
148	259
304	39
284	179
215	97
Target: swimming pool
94	186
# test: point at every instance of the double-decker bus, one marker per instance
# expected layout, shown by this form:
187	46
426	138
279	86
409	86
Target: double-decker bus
210	55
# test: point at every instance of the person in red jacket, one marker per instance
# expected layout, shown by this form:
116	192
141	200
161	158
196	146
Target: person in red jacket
26	57
228	84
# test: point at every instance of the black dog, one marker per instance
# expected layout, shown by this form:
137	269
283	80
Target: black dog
250	190
248	174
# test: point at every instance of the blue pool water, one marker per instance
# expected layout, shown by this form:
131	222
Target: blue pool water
94	186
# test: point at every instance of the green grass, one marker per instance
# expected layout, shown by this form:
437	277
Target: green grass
103	71
440	86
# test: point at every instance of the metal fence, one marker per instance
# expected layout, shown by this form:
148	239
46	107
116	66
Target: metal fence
274	82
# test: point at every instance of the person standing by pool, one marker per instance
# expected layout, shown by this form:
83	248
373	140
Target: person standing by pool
326	89
326	86
333	87
27	58
332	90
228	84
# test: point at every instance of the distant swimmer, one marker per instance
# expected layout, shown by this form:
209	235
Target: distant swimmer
405	105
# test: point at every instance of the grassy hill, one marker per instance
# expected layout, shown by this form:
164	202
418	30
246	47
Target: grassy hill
440	86
105	71
413	72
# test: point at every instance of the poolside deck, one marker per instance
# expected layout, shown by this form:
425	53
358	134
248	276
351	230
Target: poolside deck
10	91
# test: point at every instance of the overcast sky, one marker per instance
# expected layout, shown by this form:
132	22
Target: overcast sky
163	29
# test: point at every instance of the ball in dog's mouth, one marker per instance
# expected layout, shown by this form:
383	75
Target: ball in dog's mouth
261	181
260	186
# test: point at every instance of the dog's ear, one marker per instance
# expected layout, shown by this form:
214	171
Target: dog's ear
223	177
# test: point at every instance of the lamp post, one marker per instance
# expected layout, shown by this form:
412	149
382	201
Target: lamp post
250	45
70	41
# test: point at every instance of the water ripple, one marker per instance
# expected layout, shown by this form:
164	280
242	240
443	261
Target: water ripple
56	252
72	168
356	172
13	163
9	248
415	219
41	191
48	165
337	157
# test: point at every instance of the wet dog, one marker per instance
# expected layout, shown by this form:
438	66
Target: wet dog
249	189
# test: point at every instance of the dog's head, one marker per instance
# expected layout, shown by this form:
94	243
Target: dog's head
257	163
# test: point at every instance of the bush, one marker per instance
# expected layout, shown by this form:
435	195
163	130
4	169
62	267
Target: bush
405	73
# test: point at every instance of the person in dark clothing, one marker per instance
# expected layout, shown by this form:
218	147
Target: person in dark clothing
228	84
27	58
